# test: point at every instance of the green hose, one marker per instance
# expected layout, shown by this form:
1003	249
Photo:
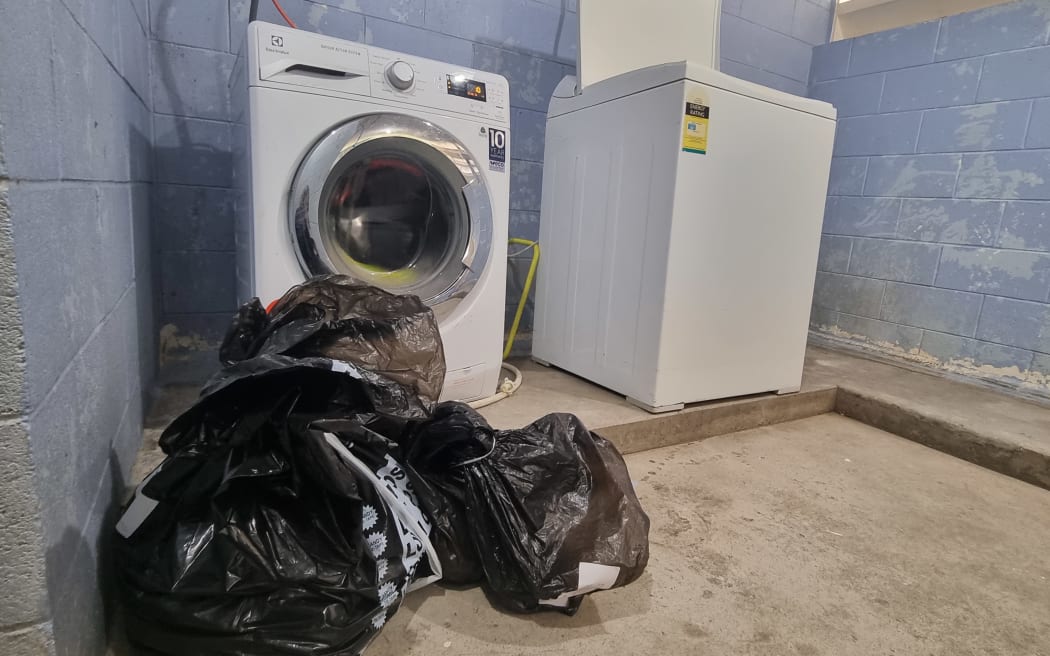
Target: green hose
524	292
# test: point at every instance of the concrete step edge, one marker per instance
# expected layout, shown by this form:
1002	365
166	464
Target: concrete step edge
985	450
718	418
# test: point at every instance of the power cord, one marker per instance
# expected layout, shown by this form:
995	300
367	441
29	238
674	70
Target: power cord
253	13
280	10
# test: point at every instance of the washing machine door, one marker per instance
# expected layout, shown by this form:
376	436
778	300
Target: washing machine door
396	202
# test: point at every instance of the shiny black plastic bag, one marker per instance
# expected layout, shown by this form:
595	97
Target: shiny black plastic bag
551	511
336	317
443	443
279	522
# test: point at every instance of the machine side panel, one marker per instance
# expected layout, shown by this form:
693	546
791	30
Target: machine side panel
604	229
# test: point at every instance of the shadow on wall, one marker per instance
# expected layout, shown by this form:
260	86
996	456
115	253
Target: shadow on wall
81	577
192	154
147	277
564	41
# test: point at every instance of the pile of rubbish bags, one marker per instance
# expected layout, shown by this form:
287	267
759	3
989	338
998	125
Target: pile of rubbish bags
317	481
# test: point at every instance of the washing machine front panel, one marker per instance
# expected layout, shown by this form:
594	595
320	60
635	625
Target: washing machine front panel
444	145
394	201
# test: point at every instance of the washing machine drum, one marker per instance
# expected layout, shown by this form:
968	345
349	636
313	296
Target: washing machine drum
396	202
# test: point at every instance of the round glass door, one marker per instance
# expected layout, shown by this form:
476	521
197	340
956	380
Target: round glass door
395	202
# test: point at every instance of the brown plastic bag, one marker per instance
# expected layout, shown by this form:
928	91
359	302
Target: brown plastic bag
337	317
549	510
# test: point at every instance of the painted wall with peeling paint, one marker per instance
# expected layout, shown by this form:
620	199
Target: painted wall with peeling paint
936	242
531	42
75	171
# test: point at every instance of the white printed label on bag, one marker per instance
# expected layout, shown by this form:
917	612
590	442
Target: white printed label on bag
139	510
592	577
388	594
376	544
413	528
396	481
344	368
369	517
410	521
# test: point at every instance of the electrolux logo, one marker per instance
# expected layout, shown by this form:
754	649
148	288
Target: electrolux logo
276	45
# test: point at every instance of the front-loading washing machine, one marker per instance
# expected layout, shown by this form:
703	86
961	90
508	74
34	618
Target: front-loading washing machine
386	167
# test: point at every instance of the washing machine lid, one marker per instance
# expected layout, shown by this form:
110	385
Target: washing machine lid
394	201
567	98
616	36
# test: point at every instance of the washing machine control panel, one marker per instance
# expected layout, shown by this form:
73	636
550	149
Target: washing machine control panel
295	58
438	86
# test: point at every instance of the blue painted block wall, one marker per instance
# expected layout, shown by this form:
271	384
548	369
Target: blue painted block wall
75	136
531	42
936	241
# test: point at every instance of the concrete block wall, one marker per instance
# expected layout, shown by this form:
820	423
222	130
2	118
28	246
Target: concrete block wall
771	42
25	626
78	324
531	42
936	243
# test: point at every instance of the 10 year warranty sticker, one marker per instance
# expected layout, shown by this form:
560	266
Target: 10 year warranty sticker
497	150
694	127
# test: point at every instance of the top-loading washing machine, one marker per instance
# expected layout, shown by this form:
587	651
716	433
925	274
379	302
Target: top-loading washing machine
680	225
386	167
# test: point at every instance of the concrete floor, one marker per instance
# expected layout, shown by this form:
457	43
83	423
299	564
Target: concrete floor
1002	432
819	536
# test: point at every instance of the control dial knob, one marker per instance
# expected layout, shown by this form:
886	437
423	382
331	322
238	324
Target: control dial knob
400	75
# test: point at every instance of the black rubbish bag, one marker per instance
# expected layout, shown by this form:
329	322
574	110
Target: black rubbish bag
441	445
550	508
336	317
280	522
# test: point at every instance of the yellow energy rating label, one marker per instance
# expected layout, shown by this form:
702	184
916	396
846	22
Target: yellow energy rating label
694	128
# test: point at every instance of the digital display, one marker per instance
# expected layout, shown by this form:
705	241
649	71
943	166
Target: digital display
459	85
